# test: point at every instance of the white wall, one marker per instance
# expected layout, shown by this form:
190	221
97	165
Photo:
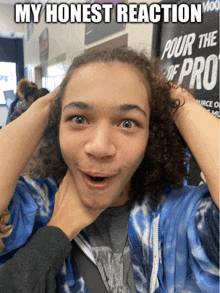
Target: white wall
63	38
3	115
7	23
69	39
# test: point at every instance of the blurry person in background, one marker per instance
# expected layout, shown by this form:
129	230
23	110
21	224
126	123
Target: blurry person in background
24	90
40	93
29	98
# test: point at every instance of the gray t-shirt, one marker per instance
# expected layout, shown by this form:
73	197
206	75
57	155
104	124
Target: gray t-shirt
108	237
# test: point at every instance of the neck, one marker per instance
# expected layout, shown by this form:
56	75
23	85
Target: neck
123	198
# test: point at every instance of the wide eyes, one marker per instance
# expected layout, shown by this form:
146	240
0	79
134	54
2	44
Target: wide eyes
128	123
80	120
125	123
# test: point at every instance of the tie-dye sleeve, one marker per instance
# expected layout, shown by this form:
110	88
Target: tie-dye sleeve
30	208
203	237
207	220
189	224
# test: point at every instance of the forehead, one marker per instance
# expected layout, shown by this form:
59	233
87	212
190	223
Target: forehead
110	83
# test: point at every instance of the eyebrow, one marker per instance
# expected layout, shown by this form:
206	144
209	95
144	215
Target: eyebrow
86	106
130	107
80	105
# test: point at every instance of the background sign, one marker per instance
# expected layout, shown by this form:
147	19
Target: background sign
44	45
190	53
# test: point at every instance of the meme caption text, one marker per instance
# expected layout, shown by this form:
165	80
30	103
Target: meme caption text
97	12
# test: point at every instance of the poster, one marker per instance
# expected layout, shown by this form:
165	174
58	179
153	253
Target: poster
190	54
44	45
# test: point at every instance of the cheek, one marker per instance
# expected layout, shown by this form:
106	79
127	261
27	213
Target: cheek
69	147
134	154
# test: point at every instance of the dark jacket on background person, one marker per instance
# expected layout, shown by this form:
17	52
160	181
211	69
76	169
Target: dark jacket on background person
11	109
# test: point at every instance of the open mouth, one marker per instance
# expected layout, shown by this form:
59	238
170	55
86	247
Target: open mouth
97	179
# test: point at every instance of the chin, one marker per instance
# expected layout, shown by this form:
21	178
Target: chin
96	205
100	202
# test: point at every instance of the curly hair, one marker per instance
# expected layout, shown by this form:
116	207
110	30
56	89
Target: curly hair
26	88
166	156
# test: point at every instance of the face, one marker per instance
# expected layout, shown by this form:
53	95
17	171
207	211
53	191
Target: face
104	130
21	96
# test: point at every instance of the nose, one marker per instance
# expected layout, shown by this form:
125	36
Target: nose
101	144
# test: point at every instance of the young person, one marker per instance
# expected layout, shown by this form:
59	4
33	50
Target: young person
108	172
25	91
40	93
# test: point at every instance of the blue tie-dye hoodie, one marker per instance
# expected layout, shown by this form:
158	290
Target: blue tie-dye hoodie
174	247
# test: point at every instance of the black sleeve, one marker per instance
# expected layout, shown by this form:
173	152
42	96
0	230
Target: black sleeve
34	267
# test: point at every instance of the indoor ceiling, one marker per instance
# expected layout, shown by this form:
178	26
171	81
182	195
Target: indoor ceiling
12	2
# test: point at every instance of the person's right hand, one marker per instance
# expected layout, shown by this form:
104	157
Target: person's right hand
70	214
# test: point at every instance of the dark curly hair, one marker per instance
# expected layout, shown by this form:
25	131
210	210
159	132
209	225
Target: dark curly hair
165	160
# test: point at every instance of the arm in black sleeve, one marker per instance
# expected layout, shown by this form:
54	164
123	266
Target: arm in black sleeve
34	267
